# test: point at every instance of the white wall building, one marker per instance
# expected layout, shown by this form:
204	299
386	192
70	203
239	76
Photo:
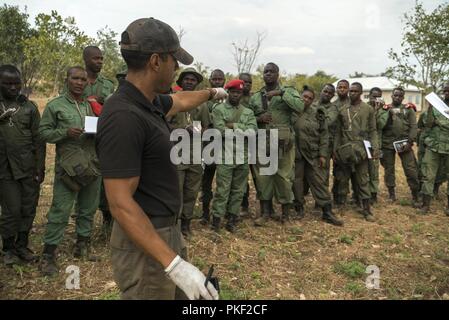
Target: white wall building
412	93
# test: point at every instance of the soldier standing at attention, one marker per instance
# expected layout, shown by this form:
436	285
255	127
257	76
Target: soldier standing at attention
98	88
375	101
247	86
437	151
397	122
274	106
231	178
77	175
189	174
331	110
22	166
312	143
217	80
356	124
339	190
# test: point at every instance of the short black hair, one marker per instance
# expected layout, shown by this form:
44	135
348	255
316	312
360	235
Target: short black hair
9	68
88	49
358	84
69	70
307	88
399	89
274	65
343	80
217	70
137	61
329	85
246	74
375	89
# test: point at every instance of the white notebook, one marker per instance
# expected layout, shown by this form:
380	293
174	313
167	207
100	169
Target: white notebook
90	124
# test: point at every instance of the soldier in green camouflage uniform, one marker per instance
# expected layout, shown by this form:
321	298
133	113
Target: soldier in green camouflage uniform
98	88
340	190
231	178
189	174
356	123
22	166
244	101
437	151
217	80
376	102
77	176
422	134
397	122
274	106
312	153
324	103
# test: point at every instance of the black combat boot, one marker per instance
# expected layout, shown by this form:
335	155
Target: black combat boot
48	266
425	208
231	224
22	249
264	213
10	257
391	194
185	228
216	224
329	217
299	208
415	199
273	214
367	210
355	200
285	213
81	249
205	218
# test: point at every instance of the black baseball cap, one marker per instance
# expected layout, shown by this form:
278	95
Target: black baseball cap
149	35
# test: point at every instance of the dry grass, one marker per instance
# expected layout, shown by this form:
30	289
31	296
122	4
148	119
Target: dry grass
301	260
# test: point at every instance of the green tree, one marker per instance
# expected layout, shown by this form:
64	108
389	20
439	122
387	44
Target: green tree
113	62
424	56
57	45
14	30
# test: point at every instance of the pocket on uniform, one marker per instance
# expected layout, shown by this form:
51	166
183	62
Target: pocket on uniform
120	240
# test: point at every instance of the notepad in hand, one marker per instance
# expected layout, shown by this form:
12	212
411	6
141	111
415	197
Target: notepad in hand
90	124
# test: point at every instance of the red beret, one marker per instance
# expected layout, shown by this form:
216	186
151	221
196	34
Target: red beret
235	84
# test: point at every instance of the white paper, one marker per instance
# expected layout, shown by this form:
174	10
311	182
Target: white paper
90	124
438	104
367	146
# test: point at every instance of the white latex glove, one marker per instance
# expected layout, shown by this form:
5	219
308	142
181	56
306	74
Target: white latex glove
220	94
190	280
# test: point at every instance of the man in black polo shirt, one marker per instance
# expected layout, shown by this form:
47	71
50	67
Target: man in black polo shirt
141	183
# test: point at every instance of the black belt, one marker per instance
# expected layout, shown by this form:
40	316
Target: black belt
160	222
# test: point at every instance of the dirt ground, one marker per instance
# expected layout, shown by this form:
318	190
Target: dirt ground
305	259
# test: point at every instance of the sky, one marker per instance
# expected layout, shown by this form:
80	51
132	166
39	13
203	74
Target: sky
339	37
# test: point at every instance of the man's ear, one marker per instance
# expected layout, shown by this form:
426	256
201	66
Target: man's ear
154	63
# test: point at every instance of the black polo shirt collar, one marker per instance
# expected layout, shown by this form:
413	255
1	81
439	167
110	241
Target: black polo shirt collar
137	96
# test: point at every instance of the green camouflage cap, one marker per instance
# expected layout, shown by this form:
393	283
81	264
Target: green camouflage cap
186	71
149	35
